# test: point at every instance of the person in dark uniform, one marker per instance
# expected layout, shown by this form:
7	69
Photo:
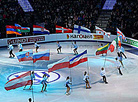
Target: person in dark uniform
10	47
59	47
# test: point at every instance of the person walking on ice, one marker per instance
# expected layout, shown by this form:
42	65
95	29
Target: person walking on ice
36	47
67	85
86	79
20	47
10	47
120	56
103	74
75	47
117	64
44	83
59	47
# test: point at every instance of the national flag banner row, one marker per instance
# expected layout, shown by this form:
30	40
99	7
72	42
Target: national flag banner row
60	29
120	34
40	30
102	50
22	80
13	30
80	58
66	63
30	56
81	30
102	32
44	55
63	63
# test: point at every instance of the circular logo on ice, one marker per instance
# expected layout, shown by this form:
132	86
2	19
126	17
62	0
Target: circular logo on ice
53	76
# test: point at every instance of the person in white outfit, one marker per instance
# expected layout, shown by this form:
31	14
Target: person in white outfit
103	74
10	47
86	79
36	47
118	65
20	47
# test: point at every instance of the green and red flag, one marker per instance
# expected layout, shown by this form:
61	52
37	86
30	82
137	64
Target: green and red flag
113	45
102	50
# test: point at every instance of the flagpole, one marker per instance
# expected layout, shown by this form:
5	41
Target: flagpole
70	76
32	83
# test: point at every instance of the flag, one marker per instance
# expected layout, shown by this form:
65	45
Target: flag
13	30
60	29
22	80
78	59
118	40
102	50
41	56
80	29
63	63
113	45
120	34
23	29
25	55
40	30
102	32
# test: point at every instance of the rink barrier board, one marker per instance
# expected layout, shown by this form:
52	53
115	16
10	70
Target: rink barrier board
66	37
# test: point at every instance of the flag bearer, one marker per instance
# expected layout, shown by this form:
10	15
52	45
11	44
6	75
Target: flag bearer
86	79
36	47
59	47
103	74
75	47
10	47
67	85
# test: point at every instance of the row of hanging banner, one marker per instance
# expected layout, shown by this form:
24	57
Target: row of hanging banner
18	30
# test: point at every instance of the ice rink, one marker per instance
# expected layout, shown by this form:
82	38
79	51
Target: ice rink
119	88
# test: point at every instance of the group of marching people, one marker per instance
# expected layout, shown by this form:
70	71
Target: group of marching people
118	64
10	47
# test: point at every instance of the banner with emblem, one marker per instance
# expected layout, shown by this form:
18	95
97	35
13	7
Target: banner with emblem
25	55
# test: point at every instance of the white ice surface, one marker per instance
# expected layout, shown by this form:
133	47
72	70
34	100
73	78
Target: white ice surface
120	88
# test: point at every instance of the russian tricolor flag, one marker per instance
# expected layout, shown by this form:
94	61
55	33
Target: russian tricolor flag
25	55
40	30
78	59
41	56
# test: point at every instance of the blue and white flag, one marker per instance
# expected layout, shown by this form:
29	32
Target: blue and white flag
81	30
80	58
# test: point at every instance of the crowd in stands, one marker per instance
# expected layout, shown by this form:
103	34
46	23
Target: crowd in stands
125	16
64	13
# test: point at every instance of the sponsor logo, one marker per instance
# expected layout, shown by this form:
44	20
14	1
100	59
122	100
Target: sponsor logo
80	36
26	40
53	76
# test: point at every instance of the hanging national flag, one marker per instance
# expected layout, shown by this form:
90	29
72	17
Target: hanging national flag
41	56
102	32
113	45
63	63
120	34
22	80
13	30
60	29
40	30
81	30
78	59
119	41
25	55
102	50
23	29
